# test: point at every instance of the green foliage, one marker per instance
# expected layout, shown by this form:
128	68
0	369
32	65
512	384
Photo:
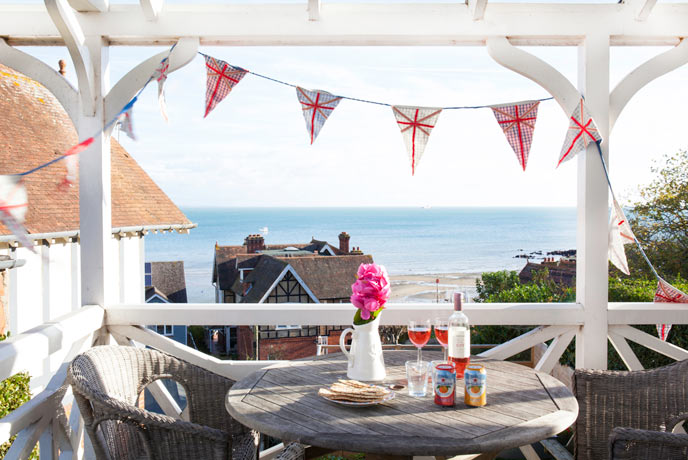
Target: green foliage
660	220
505	286
359	321
14	391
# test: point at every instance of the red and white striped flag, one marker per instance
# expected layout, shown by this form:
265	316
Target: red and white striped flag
518	123
13	207
316	106
416	124
160	75
582	131
669	294
222	77
620	234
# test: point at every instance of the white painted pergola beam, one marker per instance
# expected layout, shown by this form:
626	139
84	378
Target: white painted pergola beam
151	9
314	10
86	6
476	8
641	8
357	24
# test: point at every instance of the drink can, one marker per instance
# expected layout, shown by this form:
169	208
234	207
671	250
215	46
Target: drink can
475	380
444	384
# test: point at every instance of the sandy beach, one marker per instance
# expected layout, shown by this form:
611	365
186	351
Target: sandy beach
423	288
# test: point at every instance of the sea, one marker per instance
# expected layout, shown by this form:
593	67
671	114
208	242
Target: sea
407	241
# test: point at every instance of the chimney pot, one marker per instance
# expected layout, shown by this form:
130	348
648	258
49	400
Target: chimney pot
344	242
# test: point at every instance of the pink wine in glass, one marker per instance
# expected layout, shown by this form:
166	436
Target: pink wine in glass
419	335
441	333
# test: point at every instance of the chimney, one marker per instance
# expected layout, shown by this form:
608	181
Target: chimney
344	242
254	243
63	67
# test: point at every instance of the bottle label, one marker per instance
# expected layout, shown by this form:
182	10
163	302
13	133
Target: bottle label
459	342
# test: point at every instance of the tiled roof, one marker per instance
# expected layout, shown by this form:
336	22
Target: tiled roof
168	278
35	129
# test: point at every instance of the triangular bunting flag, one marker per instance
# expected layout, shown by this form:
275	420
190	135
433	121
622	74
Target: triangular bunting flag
668	294
13	207
126	124
316	106
71	163
222	77
582	131
518	123
416	124
160	75
620	234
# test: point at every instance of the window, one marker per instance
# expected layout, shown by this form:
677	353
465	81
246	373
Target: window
148	277
165	329
287	327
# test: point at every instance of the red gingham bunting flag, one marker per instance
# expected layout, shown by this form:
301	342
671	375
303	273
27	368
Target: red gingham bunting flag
620	234
668	294
518	123
316	106
126	124
160	75
71	163
13	206
222	77
582	131
416	124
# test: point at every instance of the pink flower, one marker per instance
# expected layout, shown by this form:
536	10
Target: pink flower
371	290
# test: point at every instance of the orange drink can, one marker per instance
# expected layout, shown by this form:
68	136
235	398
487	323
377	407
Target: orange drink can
475	381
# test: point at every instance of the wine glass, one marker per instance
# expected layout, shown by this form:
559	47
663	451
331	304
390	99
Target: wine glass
442	334
419	334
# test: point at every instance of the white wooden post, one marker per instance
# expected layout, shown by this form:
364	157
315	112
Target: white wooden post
593	211
94	190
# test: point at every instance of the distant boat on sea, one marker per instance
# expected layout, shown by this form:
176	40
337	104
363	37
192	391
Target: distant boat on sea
427	206
263	230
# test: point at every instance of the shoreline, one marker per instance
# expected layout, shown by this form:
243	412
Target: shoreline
423	287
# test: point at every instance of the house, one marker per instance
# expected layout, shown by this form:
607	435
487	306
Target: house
165	283
315	272
562	271
34	129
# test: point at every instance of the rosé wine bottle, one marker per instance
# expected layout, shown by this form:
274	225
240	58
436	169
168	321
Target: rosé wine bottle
459	337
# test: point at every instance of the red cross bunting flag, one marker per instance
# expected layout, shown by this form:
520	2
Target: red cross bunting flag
316	106
222	77
518	123
620	234
416	124
160	75
71	163
668	294
582	131
126	124
13	206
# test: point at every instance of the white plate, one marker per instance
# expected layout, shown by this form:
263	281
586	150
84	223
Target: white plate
389	397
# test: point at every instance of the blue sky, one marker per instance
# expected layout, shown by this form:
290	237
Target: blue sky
253	149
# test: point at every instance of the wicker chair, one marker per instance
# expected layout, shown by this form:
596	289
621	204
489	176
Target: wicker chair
630	415
107	382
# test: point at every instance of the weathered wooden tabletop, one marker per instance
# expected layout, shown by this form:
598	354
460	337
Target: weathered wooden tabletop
523	406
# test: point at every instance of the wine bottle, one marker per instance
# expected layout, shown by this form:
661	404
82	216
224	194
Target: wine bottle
459	337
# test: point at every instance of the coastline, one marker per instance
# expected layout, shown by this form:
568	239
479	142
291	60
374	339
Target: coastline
423	288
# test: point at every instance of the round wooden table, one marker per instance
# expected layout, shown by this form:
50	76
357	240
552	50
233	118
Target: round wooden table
523	407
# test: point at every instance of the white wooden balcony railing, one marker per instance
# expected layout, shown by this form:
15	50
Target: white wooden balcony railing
45	351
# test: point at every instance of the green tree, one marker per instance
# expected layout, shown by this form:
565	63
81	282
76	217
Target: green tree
660	220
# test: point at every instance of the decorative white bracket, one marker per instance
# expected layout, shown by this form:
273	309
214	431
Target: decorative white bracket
65	93
151	9
313	10
126	88
91	6
641	8
644	74
535	69
64	18
477	9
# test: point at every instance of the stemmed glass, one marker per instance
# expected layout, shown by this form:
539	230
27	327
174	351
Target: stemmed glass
419	334
442	334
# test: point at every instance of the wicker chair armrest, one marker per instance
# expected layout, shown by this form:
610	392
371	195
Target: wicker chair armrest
672	422
632	444
292	451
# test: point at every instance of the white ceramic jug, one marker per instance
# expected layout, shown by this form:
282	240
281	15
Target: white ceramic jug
365	358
